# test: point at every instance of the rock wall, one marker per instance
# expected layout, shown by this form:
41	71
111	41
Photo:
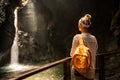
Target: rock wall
47	28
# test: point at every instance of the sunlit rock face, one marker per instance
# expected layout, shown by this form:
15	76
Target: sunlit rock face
52	27
35	20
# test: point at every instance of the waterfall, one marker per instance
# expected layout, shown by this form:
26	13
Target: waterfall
14	65
14	49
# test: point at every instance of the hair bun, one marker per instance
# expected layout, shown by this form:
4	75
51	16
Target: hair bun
85	20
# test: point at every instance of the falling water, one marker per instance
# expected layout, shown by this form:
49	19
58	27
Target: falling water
15	66
14	49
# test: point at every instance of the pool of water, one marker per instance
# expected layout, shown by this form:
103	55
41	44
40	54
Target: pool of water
54	73
8	71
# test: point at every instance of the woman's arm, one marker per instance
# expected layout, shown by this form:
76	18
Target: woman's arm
75	43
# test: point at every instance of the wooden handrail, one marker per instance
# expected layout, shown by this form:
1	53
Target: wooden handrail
108	53
101	62
44	67
66	62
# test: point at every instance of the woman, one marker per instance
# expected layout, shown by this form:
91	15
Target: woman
89	41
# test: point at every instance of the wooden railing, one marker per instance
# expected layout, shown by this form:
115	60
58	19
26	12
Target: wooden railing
101	62
67	67
65	61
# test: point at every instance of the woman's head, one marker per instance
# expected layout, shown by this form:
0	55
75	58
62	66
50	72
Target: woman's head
84	22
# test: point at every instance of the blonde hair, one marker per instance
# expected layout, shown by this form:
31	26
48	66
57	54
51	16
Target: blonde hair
85	21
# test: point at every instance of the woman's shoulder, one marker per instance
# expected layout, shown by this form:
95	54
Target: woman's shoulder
85	35
77	35
93	37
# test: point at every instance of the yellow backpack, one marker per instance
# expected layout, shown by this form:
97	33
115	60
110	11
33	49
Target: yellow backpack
82	59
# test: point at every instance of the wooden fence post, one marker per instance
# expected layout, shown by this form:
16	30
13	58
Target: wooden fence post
67	70
101	67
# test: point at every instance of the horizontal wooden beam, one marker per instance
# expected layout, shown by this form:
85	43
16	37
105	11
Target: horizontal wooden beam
40	68
108	53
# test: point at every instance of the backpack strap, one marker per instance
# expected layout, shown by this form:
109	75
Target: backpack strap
80	40
82	43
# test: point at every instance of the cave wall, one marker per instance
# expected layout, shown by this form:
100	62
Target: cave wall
65	16
46	29
55	24
112	60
